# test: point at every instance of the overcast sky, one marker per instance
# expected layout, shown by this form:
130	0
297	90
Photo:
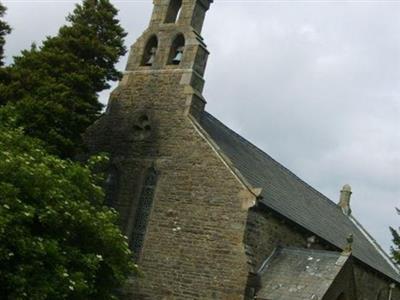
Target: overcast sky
315	84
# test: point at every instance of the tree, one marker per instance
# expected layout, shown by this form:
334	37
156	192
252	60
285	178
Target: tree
54	87
4	30
57	239
395	249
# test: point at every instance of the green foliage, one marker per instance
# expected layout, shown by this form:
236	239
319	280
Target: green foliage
96	38
4	30
55	86
57	239
396	241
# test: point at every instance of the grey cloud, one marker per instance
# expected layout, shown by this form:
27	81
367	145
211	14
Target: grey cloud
316	85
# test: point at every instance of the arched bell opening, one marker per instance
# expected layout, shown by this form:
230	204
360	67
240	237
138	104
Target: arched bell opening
173	12
177	49
150	51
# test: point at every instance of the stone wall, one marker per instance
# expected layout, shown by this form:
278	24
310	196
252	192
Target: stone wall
372	285
343	287
193	248
267	230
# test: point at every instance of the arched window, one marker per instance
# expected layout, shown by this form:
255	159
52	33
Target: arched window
177	49
173	12
143	212
149	53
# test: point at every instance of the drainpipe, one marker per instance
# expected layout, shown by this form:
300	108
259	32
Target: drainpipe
391	288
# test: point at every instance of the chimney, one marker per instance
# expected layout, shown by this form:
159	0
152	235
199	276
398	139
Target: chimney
344	201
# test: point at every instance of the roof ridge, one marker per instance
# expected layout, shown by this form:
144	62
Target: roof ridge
281	166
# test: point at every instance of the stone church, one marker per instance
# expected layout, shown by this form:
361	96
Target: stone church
208	214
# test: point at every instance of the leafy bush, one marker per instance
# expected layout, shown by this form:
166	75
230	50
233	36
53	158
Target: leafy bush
57	239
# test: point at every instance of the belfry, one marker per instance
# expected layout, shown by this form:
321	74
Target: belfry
172	46
207	214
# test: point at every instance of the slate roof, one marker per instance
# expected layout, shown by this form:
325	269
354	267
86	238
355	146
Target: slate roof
287	194
299	274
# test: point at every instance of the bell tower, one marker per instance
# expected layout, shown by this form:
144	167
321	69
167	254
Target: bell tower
172	44
179	205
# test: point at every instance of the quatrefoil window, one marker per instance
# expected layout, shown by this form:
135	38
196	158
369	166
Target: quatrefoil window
142	128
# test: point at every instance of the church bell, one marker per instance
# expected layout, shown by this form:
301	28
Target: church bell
151	59
178	57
